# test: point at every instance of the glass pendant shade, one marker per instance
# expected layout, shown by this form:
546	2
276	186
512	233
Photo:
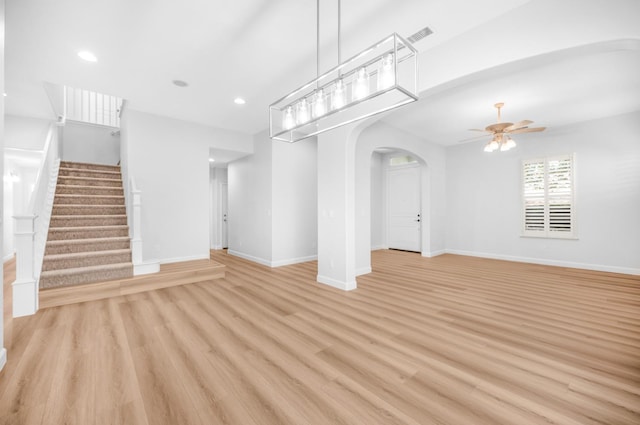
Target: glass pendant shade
386	73
302	114
361	85
319	104
338	99
378	79
288	121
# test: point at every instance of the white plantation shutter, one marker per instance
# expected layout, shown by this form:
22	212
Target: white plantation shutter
548	187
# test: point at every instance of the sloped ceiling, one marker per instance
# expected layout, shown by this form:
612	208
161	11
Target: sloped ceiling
262	49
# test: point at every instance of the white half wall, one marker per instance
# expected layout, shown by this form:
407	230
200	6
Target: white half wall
169	160
484	197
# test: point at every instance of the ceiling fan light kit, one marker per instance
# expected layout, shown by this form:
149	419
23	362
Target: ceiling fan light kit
502	132
378	79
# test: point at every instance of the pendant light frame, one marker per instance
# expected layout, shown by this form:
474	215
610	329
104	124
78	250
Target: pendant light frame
371	99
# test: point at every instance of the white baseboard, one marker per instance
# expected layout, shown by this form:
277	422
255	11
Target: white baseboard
250	257
146	267
3	357
363	270
290	261
378	247
181	259
434	253
345	286
268	263
8	257
548	262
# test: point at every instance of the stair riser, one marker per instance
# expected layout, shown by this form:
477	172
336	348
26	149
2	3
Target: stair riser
88	173
88	200
89	277
92	190
87	221
58	235
79	181
86	261
66	164
53	249
88	210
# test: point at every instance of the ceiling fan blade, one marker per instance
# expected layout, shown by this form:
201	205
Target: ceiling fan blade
517	125
470	139
477	129
527	130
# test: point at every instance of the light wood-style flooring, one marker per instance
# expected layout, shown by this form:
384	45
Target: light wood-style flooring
446	340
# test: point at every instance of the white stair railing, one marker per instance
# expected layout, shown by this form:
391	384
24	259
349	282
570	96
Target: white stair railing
91	107
32	228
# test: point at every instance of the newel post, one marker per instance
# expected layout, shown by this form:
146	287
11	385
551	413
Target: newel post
25	288
136	239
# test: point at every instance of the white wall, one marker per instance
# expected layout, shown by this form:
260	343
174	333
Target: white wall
295	201
25	133
3	351
250	203
484	197
24	140
169	160
90	143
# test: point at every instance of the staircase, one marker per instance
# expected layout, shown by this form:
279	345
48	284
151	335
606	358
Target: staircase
88	238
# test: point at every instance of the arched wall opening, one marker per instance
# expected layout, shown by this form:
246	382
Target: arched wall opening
431	160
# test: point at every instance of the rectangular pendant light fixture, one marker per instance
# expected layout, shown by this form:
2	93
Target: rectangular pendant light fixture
380	78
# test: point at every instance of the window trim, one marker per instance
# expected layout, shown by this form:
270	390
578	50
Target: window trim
546	232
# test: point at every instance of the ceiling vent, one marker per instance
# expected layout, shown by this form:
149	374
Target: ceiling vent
420	35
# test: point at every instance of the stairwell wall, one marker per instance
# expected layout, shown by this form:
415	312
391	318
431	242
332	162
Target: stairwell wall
169	160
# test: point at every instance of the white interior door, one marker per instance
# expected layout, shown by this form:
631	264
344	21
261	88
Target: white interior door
224	214
403	206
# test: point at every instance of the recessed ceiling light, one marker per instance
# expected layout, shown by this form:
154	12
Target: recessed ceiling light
4	94
180	83
239	101
211	160
87	56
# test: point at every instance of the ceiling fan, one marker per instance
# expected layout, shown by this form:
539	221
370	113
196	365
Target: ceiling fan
502	132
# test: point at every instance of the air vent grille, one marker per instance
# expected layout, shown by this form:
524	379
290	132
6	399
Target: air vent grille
420	35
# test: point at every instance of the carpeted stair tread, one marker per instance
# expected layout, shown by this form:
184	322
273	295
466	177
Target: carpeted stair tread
94	210
70	189
87	232
63	199
87	254
66	221
89	181
72	164
80	275
86	245
85	259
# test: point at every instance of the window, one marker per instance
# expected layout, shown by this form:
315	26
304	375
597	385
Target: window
402	160
548	187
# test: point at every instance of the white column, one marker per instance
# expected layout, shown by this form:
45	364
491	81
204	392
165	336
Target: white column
336	203
25	288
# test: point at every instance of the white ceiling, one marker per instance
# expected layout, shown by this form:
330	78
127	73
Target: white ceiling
262	49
